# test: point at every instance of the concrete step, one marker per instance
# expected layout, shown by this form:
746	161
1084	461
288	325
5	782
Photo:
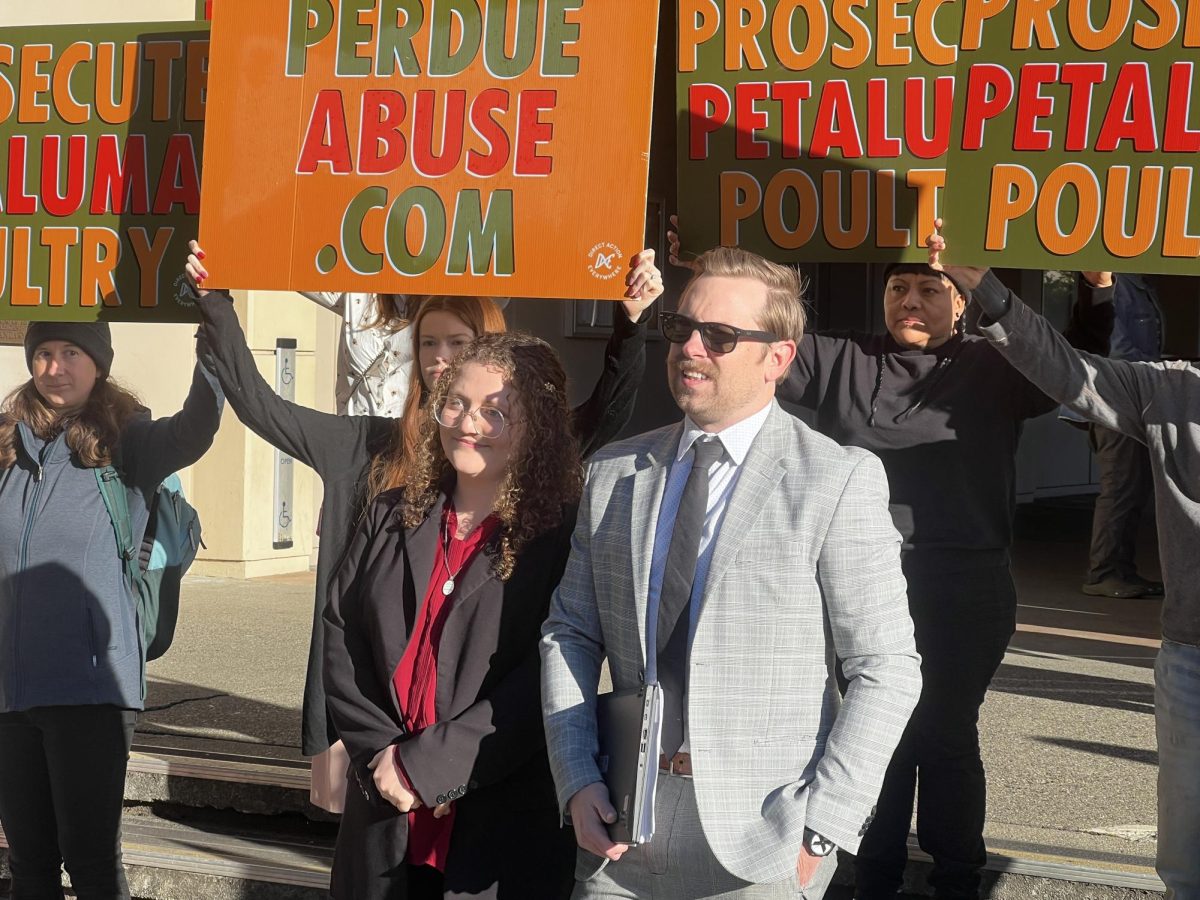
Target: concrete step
187	860
1022	872
284	858
208	821
245	782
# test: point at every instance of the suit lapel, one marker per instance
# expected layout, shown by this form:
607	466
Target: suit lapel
421	543
760	476
478	573
645	501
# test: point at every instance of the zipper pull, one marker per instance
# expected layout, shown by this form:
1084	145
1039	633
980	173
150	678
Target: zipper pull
40	473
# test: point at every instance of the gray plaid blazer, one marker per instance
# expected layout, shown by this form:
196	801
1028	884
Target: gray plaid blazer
806	568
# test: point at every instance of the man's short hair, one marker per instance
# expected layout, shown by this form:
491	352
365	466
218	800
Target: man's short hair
783	312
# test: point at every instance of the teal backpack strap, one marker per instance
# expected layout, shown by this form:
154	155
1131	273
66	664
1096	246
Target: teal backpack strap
112	490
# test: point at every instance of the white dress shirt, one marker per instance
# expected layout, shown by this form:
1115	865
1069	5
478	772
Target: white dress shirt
722	478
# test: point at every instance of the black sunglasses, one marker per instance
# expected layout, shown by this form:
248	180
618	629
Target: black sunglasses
717	336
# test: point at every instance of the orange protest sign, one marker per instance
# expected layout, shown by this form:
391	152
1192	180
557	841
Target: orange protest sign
428	146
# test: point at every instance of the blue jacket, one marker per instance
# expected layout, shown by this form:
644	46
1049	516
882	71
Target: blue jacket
68	624
1137	333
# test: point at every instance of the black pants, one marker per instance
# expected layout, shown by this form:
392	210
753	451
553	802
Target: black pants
963	622
62	785
1126	488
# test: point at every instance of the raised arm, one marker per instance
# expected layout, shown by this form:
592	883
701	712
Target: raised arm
1088	329
601	417
867	608
1109	392
320	440
334	301
154	448
803	385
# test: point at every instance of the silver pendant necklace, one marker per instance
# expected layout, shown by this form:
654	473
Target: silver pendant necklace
448	584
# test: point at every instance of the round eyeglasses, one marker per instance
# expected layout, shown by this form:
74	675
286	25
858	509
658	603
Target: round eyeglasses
489	421
717	336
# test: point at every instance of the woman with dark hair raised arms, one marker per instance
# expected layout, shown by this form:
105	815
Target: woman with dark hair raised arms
944	413
1158	404
356	457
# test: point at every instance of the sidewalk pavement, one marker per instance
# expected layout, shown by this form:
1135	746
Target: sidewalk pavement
1067	731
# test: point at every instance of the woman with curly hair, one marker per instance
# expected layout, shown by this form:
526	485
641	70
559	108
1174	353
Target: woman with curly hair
357	456
431	641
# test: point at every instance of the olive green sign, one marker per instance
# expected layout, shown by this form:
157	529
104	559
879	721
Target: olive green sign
101	131
1077	137
1048	134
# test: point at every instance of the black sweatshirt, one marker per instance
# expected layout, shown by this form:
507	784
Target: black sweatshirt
340	450
945	423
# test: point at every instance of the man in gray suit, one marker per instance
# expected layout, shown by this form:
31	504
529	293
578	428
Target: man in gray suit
746	552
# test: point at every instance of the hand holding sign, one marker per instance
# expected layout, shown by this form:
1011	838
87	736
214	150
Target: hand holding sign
966	277
645	284
673	241
196	273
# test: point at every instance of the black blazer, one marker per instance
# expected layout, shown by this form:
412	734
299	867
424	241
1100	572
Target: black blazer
340	449
486	753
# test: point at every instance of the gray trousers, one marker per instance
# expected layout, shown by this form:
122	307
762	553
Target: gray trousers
1177	715
679	865
1126	486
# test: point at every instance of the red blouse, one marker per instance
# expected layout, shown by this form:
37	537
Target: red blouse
415	679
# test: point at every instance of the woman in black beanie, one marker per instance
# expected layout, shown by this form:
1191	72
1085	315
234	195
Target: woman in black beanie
72	654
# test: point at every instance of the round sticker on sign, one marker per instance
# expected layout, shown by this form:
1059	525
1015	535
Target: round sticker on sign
184	292
605	261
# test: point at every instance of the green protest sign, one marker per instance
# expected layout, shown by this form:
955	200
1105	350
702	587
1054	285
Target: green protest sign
813	130
1078	129
100	137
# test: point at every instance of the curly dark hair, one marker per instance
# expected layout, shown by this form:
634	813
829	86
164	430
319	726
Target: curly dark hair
390	468
545	472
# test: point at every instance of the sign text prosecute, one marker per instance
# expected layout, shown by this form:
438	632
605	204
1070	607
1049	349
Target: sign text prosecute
812	129
1048	133
1078	137
100	137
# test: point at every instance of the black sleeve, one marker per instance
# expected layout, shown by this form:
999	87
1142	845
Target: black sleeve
601	417
805	382
1089	330
322	441
151	449
359	704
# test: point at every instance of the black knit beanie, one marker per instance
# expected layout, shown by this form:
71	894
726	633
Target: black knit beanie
93	338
